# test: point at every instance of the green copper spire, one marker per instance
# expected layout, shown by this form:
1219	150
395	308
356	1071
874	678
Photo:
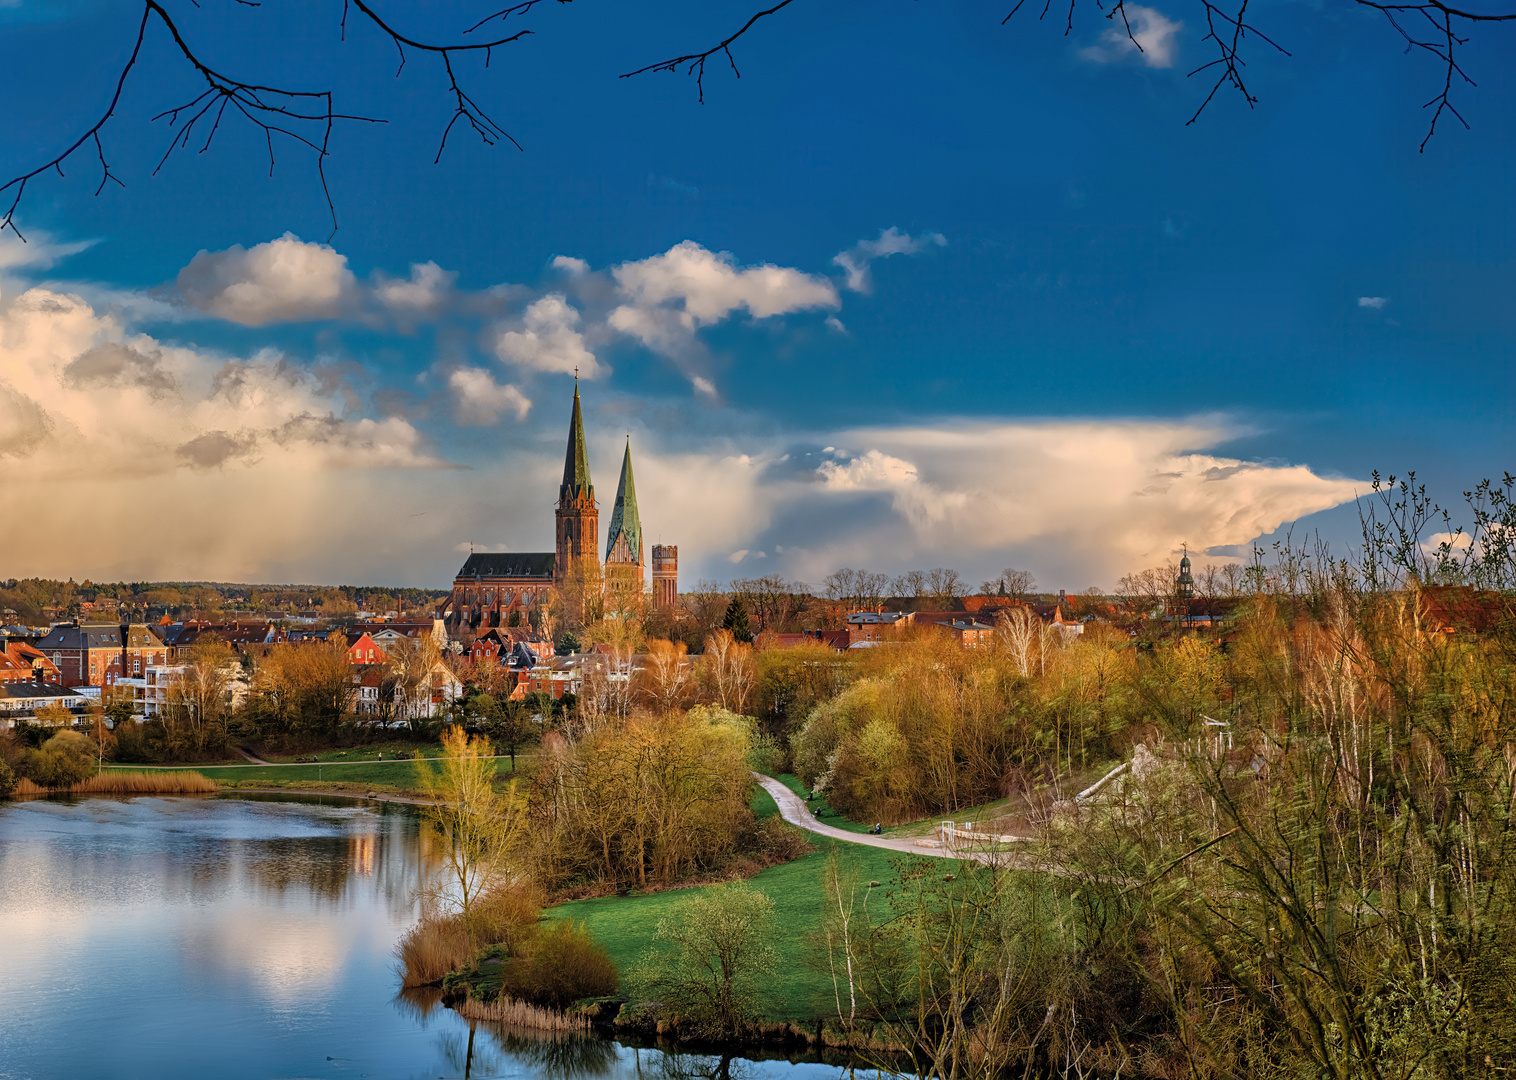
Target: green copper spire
624	518
576	463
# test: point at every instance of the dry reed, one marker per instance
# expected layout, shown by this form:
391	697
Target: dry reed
125	783
432	948
136	783
520	1014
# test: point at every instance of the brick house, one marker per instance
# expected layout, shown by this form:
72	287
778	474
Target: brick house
91	654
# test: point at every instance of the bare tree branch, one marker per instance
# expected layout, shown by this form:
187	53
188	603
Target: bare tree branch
696	61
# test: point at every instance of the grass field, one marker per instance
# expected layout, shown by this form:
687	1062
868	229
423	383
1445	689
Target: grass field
625	925
390	775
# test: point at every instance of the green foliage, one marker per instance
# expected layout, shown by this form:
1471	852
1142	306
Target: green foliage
567	643
558	965
735	622
710	959
64	760
7	780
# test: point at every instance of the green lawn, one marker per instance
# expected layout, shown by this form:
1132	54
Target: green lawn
390	774
625	925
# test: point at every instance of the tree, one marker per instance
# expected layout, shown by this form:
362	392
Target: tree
727	669
1018	584
481	830
736	622
710	959
666	677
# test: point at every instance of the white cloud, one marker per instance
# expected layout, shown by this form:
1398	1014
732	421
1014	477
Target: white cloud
549	341
703	386
834	323
871	471
737	556
478	399
203	466
1094	499
284	280
570	265
1375	302
669	296
423	293
39	252
1153	37
855	260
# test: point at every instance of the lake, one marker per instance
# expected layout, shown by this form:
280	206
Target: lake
248	937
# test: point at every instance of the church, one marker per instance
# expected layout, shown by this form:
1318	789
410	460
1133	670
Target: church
492	586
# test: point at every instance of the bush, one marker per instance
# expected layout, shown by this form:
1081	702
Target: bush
64	760
560	965
7	780
439	944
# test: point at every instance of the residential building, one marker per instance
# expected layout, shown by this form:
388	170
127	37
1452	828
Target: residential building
94	654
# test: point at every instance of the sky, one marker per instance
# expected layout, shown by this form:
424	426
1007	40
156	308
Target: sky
917	289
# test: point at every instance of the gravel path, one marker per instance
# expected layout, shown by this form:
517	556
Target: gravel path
794	810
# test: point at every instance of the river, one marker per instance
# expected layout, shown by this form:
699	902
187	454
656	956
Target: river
166	938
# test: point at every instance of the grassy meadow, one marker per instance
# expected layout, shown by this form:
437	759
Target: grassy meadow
625	925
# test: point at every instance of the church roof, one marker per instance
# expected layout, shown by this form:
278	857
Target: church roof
624	518
509	564
576	462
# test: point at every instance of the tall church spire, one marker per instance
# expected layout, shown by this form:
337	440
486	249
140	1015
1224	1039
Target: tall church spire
578	519
624	518
576	463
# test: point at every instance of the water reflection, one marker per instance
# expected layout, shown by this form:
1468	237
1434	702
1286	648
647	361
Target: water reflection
248	938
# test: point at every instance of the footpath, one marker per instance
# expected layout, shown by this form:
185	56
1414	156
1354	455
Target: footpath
794	810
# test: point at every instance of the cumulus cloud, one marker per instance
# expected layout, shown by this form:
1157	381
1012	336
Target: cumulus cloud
203	465
1375	302
284	280
116	365
549	340
667	297
1154	38
570	265
478	399
423	293
855	260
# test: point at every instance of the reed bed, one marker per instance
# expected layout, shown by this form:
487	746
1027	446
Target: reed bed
432	948
125	783
520	1014
136	783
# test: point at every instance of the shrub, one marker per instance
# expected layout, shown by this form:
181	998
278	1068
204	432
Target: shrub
7	780
64	760
560	965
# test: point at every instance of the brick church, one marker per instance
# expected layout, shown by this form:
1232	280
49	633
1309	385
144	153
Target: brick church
494	585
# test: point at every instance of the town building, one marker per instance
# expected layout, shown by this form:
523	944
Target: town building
98	654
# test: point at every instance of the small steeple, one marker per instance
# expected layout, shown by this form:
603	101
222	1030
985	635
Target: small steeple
624	517
1184	586
576	463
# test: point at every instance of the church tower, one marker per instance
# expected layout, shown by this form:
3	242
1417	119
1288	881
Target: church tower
623	545
578	517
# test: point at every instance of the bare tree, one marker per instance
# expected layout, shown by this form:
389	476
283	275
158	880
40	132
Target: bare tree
944	585
1015	632
1018	583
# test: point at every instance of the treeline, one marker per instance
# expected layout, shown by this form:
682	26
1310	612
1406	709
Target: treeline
39	600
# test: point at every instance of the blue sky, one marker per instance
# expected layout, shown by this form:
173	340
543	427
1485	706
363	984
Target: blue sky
1108	334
